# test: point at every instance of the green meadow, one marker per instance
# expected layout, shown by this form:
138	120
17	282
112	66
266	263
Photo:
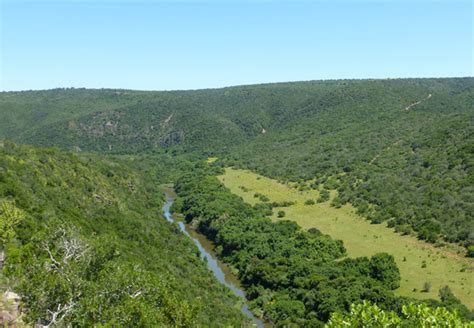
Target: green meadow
420	263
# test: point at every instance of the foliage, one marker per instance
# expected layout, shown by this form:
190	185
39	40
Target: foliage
323	196
293	276
413	315
426	287
87	245
10	217
411	166
470	251
309	202
361	238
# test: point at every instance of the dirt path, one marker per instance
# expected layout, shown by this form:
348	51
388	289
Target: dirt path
399	140
417	102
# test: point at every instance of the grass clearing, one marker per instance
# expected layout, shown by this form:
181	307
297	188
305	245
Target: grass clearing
419	262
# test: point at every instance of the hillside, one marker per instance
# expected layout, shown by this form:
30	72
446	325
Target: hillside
86	244
398	150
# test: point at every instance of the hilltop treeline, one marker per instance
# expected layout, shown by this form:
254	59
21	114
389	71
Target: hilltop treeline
291	276
86	245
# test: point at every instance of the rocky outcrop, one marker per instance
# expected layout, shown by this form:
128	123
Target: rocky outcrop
10	315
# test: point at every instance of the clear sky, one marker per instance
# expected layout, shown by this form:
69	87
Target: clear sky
163	45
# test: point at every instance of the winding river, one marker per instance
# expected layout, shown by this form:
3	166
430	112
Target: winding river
220	271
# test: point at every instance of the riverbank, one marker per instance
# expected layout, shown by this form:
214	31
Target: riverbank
221	271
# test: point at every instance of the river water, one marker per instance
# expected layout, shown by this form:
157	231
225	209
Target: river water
220	271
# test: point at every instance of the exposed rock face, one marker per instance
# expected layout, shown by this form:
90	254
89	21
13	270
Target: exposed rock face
9	311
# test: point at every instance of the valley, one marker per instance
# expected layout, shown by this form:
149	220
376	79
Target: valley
316	198
418	261
236	164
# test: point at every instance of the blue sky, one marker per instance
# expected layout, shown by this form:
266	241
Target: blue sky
164	45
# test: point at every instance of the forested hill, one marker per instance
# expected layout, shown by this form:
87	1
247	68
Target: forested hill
127	121
86	245
399	150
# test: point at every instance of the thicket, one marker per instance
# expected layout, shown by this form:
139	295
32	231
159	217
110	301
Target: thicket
86	244
370	315
292	276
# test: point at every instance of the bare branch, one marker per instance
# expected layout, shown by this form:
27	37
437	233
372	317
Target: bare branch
60	313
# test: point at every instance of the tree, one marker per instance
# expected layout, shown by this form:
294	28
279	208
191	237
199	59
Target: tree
283	308
281	214
470	251
426	287
323	196
368	315
384	269
364	315
445	294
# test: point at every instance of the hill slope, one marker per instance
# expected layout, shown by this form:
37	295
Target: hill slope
86	244
398	150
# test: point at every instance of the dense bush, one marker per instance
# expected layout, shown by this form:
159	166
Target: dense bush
291	275
370	315
411	168
85	245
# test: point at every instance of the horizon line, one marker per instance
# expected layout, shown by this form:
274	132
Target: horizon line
238	85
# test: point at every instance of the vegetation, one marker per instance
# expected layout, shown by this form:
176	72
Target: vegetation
409	168
408	165
85	245
443	265
370	315
309	202
10	217
323	196
470	251
426	287
290	273
292	276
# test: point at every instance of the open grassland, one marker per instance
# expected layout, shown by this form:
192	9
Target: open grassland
418	261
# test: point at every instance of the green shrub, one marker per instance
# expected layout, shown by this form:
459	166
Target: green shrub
323	196
367	314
